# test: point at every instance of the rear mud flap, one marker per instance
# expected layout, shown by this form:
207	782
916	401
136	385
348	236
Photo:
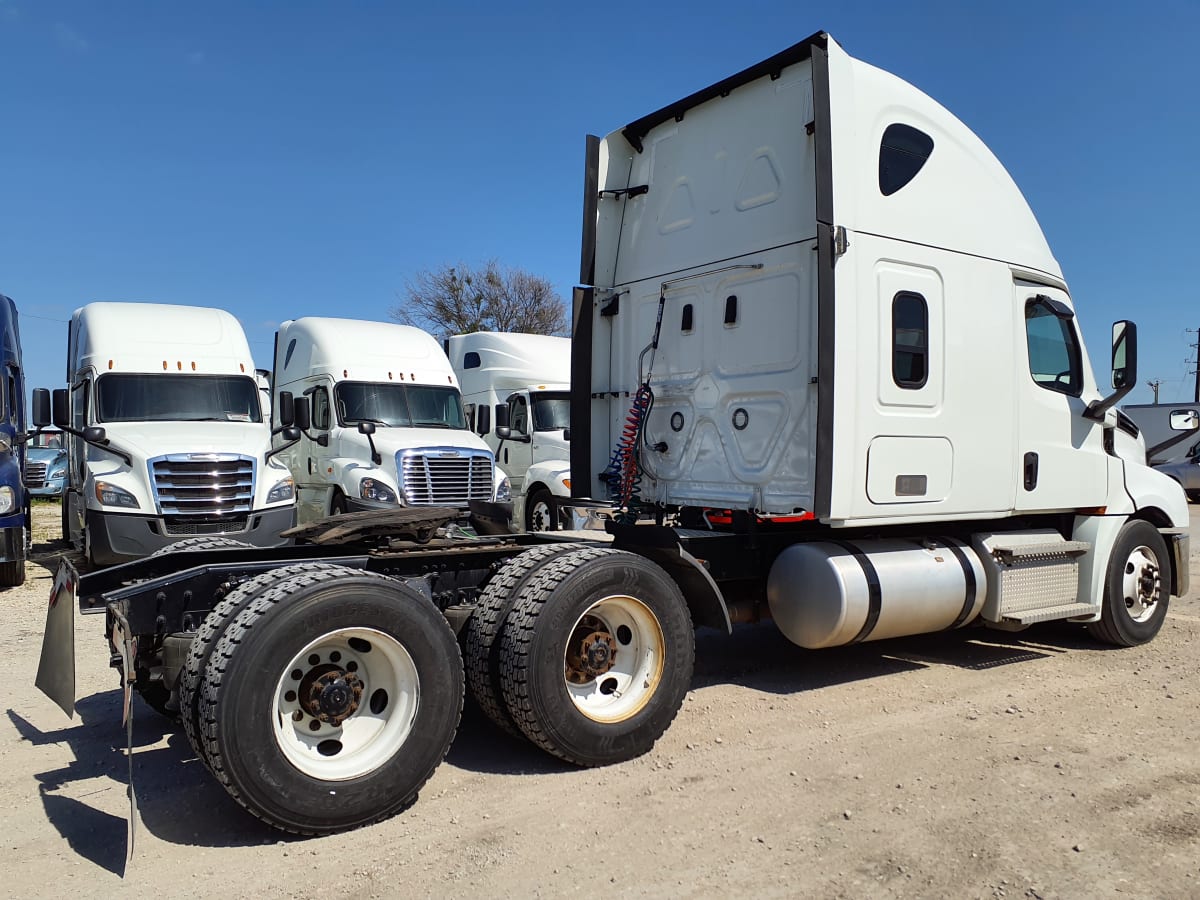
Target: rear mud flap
125	644
56	668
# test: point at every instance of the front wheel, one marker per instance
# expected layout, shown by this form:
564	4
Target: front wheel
596	656
540	511
1136	587
326	705
12	574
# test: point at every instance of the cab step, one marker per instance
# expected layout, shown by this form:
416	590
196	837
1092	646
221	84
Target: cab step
1066	611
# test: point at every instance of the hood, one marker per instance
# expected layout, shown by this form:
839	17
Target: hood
150	439
389	441
47	455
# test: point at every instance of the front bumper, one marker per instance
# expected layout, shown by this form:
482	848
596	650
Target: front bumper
51	488
117	537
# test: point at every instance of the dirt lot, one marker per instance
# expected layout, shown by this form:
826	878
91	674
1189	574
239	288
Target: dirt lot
977	764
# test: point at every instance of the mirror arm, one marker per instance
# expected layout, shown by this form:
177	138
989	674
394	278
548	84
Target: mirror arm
281	447
1167	444
1097	408
375	457
106	446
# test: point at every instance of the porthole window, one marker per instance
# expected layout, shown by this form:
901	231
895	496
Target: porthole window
902	153
910	340
472	360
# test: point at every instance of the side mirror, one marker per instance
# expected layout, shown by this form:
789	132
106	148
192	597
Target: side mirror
291	433
483	419
41	408
60	411
567	435
95	434
501	417
287	409
1124	354
503	431
301	413
1185	420
323	439
366	427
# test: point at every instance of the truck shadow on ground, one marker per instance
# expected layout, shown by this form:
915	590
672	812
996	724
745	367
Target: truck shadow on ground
180	802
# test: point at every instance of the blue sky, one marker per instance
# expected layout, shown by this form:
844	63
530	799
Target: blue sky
304	158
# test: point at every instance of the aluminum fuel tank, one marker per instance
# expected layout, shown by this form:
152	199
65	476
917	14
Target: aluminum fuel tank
827	593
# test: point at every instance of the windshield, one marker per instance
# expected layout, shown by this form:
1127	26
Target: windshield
122	397
399	405
551	412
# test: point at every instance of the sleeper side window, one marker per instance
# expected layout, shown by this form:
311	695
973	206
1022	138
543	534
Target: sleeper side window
902	153
1055	361
910	340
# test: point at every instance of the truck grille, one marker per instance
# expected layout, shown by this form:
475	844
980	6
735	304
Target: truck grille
203	485
444	476
35	474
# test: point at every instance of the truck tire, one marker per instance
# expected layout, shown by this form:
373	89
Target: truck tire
201	542
370	662
210	631
596	656
12	574
481	651
1136	587
539	507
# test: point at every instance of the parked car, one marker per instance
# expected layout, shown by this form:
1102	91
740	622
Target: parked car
1186	471
46	464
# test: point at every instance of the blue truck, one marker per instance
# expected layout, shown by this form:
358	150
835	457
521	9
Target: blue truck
14	499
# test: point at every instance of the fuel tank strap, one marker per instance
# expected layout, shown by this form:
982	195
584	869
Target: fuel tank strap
971	584
874	592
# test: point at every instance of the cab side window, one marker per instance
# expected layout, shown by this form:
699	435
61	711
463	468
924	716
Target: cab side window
518	415
1055	361
320	409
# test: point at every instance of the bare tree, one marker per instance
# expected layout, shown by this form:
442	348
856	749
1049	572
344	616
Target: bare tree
460	299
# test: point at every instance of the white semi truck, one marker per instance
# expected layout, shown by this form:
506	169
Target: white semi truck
516	388
167	437
823	342
386	426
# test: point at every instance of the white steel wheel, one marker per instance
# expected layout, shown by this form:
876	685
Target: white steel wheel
346	703
1141	584
614	659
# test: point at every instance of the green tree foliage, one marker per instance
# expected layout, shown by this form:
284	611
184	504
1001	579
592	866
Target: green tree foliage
461	299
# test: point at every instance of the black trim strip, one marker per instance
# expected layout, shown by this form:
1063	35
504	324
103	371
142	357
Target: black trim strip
669	276
874	590
591	200
581	393
1024	273
972	585
635	131
823	499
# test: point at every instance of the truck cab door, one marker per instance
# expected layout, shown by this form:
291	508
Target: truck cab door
1061	463
516	453
312	483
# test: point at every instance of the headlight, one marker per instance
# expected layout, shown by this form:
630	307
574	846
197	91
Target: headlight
373	489
111	495
57	472
8	500
283	490
503	490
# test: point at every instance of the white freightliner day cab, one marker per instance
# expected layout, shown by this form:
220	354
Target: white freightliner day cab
167	437
824	343
524	380
386	421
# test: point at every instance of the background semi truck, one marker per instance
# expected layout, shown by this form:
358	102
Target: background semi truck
516	388
852	402
387	420
14	499
167	437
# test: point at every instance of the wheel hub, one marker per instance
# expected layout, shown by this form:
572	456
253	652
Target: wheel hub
330	694
1148	582
591	653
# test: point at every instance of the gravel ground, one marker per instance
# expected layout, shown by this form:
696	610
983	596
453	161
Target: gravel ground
978	764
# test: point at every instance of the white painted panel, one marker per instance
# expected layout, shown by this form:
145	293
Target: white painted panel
909	469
